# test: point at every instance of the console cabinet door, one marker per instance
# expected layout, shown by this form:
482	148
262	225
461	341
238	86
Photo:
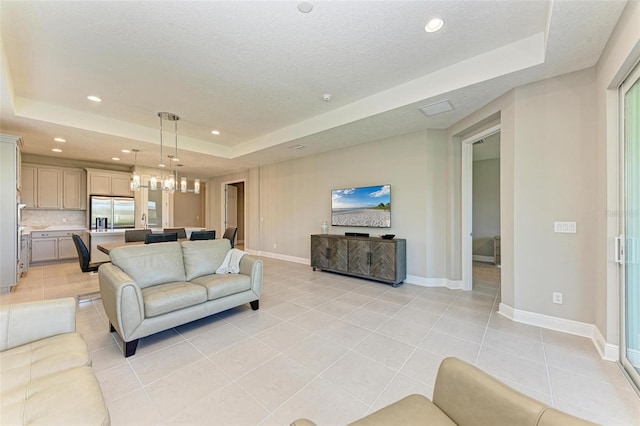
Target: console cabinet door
338	254
319	252
359	257
383	260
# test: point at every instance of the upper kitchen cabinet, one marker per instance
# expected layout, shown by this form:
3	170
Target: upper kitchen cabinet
29	190
102	182
10	261
48	187
74	193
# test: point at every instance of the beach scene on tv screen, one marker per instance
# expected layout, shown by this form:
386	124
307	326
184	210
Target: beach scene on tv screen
366	206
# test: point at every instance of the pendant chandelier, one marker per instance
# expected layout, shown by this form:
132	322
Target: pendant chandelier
168	182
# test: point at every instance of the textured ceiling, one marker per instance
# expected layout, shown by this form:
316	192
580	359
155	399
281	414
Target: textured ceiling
257	71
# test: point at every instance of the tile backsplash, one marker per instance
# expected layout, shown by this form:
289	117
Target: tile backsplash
53	217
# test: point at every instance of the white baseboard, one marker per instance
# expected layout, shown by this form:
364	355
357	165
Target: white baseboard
301	260
433	282
607	351
480	258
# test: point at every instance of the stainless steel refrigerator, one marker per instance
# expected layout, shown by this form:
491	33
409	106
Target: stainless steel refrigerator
119	211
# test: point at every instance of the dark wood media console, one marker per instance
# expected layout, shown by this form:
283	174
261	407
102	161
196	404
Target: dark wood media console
365	257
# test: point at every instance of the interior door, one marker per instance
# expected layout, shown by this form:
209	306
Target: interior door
630	239
231	206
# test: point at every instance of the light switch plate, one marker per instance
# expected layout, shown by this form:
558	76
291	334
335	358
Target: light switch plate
565	227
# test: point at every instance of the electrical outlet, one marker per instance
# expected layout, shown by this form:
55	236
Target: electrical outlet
557	298
64	219
274	245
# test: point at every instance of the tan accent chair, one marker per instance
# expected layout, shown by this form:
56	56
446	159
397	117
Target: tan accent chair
45	369
465	395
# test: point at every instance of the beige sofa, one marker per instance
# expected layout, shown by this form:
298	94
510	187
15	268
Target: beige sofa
465	395
45	370
150	288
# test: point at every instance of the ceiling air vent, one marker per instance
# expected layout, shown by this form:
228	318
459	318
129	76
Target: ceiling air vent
437	108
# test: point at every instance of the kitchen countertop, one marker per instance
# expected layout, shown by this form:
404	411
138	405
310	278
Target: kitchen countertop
105	231
28	229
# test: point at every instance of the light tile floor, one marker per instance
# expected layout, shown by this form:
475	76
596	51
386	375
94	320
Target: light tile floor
330	348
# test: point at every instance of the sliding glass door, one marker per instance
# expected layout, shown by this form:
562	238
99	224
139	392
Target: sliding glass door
630	288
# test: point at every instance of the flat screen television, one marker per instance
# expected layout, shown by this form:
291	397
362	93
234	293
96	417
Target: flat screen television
368	206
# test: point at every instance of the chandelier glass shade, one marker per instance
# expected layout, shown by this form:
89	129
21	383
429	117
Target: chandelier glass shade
168	182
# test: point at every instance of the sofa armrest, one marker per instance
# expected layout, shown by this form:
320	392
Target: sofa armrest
122	299
252	266
23	323
469	396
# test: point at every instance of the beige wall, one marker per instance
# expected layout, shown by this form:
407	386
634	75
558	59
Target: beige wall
547	174
620	54
293	198
554	177
188	208
486	205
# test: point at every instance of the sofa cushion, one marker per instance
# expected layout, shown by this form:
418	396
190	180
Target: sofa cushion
163	298
203	257
72	397
220	285
150	264
23	364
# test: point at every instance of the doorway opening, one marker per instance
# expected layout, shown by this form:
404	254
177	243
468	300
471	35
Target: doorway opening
233	214
480	201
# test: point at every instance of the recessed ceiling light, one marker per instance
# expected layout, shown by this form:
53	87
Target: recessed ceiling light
126	151
296	146
115	158
305	6
175	159
59	139
56	150
434	25
94	98
215	132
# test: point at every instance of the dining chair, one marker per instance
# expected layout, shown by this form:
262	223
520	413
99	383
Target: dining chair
84	256
203	235
161	238
85	266
182	233
131	235
230	234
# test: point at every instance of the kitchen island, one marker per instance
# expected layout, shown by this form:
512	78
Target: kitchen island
96	237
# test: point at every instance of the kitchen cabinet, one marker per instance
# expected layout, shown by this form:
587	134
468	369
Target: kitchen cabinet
29	186
74	195
49	246
373	258
10	241
44	249
48	187
102	182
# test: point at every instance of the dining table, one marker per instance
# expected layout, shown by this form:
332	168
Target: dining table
107	247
